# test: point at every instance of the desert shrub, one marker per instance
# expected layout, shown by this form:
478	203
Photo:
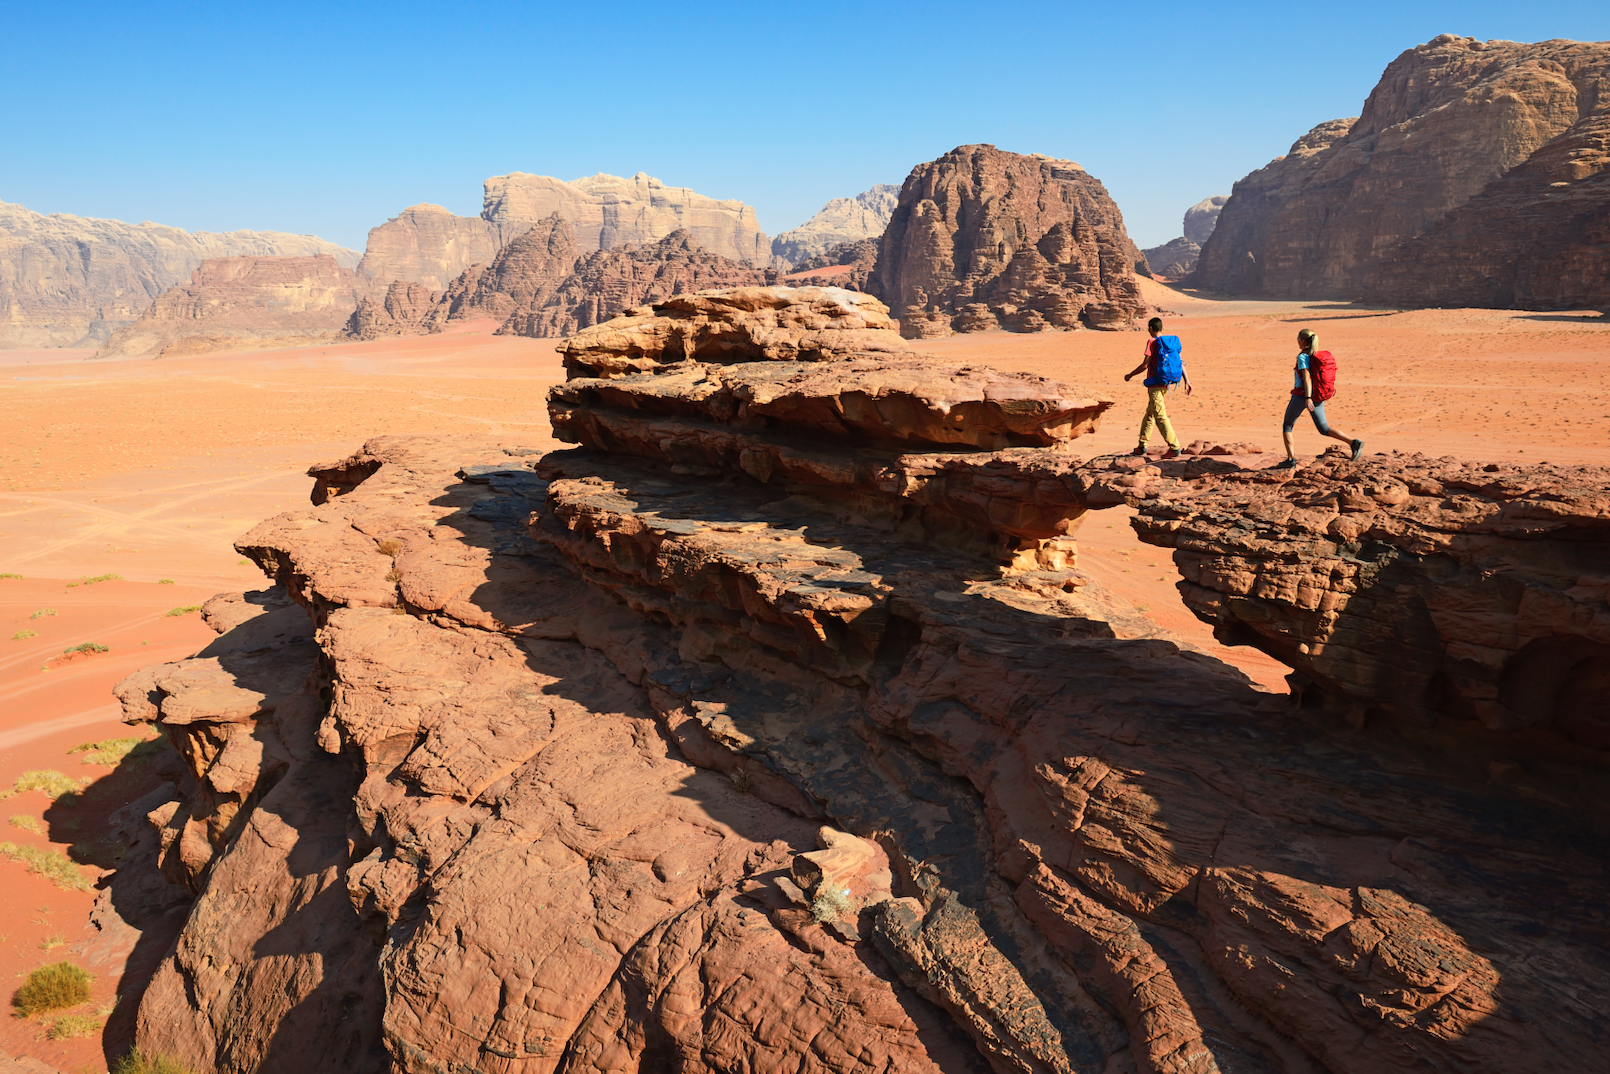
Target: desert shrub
53	865
102	578
28	823
389	547
831	904
52	988
50	943
24	635
138	1062
42	613
18	577
73	1026
108	752
88	647
48	780
164	581
185	609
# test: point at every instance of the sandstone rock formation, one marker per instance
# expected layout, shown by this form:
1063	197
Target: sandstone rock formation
1177	258
722	744
608	211
70	281
840	222
403	310
1472	172
609	282
245	302
986	239
848	265
427	245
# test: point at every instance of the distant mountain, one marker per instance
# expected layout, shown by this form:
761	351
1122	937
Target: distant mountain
840	221
71	281
1177	258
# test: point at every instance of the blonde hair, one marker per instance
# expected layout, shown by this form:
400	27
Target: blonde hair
1308	339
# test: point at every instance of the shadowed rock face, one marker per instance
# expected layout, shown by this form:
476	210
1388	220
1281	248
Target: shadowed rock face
721	744
1474	175
986	239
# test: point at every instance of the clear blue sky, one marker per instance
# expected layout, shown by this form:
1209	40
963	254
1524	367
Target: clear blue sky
329	118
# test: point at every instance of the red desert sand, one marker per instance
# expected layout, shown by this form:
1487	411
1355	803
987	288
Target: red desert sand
148	470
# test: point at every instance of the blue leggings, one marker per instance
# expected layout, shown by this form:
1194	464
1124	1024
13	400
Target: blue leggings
1294	410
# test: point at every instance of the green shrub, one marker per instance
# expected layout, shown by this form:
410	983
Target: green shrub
88	647
18	577
102	578
164	581
52	988
185	609
28	823
73	1026
24	635
42	612
138	1062
53	865
832	904
108	752
48	780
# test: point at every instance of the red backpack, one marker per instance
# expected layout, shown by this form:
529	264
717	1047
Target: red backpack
1322	375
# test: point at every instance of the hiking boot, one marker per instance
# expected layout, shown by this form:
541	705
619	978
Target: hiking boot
1172	453
1358	449
1285	464
1139	451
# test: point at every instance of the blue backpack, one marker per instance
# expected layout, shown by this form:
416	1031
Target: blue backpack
1170	367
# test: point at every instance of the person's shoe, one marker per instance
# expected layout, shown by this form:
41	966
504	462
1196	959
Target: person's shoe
1172	453
1358	449
1285	464
1139	451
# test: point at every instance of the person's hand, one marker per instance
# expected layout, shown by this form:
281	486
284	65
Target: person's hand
1188	388
1128	375
1309	405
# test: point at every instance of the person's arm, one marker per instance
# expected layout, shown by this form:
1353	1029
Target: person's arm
1138	369
1308	388
1186	378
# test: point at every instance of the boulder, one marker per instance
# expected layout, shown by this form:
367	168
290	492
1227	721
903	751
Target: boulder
1036	240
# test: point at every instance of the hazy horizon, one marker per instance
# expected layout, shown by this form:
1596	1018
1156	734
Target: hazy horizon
330	120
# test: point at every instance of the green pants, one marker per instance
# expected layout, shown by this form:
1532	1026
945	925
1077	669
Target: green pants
1157	410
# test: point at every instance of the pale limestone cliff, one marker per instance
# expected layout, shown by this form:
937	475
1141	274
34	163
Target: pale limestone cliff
840	221
428	245
72	280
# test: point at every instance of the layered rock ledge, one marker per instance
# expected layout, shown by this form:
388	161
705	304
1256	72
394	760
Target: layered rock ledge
609	760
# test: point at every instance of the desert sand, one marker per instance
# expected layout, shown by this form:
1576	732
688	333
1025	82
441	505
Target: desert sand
149	469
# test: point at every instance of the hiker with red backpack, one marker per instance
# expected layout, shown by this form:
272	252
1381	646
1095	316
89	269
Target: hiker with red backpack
1314	378
1164	367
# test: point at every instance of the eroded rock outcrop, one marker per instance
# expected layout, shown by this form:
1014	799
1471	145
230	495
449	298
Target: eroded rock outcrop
1177	258
245	302
841	221
428	245
1473	175
730	745
986	239
71	281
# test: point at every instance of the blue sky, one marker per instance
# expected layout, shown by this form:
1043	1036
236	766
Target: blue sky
330	118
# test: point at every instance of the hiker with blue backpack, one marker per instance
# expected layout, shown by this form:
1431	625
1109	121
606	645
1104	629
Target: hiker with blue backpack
1164	367
1314	378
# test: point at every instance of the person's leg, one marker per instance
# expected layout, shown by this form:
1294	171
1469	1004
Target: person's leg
1158	408
1147	422
1324	427
1294	407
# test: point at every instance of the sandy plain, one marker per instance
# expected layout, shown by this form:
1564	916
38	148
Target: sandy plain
148	469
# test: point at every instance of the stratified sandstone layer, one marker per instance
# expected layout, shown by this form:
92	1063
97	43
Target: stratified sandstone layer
986	239
610	760
428	245
1473	175
840	221
70	281
245	301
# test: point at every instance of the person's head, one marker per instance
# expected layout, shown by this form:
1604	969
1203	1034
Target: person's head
1155	326
1307	340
